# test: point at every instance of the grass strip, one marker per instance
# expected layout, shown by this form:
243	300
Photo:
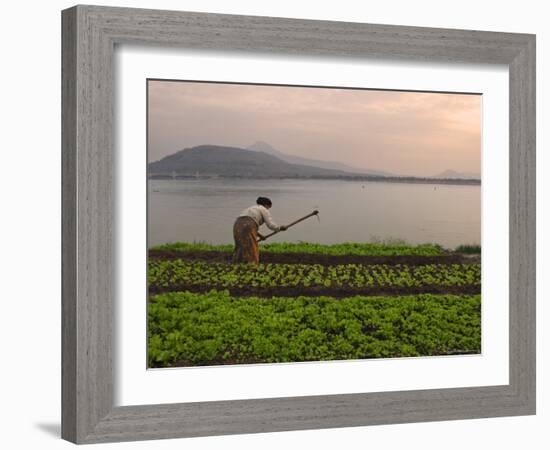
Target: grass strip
345	248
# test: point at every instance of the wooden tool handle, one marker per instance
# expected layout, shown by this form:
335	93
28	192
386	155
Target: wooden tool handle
314	213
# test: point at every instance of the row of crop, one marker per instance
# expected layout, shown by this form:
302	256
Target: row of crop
345	248
166	274
186	329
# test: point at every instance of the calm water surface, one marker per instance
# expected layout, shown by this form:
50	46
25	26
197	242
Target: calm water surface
204	210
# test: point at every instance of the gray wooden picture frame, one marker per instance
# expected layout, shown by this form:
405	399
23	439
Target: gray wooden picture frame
88	42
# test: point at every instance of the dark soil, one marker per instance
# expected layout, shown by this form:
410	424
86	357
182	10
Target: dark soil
337	292
325	260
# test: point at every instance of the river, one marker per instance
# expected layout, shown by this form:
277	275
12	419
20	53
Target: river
350	211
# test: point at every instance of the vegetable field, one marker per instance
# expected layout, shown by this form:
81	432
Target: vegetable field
311	302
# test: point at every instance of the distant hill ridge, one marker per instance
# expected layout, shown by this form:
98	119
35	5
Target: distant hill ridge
207	161
453	174
216	160
261	146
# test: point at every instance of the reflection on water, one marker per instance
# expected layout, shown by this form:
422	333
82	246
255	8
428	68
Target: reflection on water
204	210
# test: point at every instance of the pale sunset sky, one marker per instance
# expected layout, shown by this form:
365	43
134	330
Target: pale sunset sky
405	133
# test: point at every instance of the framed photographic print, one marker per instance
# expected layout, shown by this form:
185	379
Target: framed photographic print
278	224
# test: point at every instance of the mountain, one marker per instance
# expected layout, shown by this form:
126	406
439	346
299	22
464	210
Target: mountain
264	147
454	175
215	160
207	161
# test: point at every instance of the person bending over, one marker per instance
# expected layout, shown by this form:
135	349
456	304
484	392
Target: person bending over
245	231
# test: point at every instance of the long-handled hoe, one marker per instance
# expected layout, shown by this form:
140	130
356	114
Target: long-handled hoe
314	213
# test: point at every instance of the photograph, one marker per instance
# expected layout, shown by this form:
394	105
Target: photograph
293	224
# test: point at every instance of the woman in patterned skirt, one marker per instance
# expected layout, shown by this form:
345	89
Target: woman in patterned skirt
245	231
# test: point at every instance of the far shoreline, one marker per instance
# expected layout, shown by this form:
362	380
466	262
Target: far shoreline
404	180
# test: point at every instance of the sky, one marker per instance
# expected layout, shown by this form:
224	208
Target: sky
405	133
